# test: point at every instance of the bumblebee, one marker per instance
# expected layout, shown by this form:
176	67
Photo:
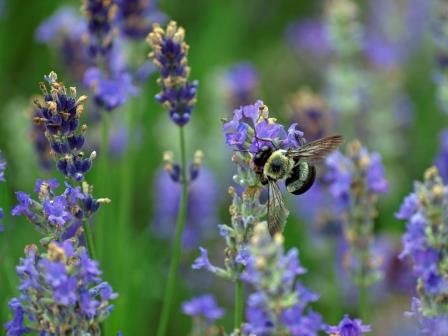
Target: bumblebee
295	166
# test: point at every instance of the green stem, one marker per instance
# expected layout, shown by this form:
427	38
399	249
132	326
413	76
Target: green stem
239	303
363	302
89	238
177	247
102	180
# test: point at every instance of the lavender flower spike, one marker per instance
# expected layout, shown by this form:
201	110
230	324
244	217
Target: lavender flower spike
169	55
357	179
61	111
100	15
63	280
279	301
425	244
348	327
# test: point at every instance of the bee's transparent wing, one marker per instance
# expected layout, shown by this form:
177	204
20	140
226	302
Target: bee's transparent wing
277	211
317	150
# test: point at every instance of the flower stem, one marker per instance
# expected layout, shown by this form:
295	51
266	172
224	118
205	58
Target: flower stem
177	247
89	238
102	179
239	303
363	302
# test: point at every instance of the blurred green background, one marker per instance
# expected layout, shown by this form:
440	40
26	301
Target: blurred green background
220	33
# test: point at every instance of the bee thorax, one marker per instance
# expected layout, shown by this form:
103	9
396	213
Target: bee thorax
278	166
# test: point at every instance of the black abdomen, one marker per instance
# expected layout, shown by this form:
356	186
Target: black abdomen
301	179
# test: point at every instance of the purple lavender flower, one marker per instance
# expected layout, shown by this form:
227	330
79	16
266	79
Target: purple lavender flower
308	35
441	160
309	111
424	244
201	207
169	55
279	301
65	30
109	93
136	17
203	262
59	279
428	325
101	17
348	327
395	30
356	180
251	122
203	306
57	216
240	84
60	116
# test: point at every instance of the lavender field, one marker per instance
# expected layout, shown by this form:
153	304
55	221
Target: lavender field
224	168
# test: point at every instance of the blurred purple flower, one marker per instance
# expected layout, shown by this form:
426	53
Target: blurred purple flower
101	19
109	93
64	23
395	29
203	262
441	160
203	306
65	30
240	84
201	207
308	35
348	327
136	17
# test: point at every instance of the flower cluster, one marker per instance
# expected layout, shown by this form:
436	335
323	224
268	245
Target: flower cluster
201	202
440	35
308	35
240	84
57	217
251	124
246	212
345	78
204	311
356	180
110	90
425	243
2	179
61	293
310	111
64	30
100	15
279	302
169	55
348	327
108	79
135	17
61	112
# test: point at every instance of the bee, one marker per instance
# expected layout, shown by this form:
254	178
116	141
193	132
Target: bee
295	166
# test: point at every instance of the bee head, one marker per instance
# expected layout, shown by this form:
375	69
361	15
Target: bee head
262	156
278	166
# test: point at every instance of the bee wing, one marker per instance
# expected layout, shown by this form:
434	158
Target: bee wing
277	211
317	150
